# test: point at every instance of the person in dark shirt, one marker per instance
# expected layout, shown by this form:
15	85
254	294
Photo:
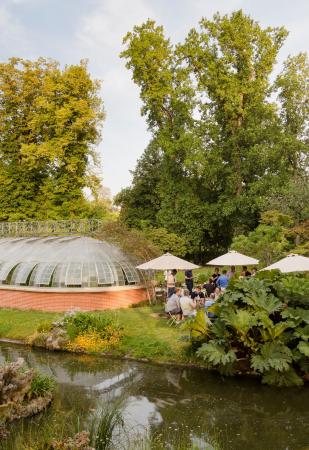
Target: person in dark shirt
216	275
198	295
245	272
189	280
210	287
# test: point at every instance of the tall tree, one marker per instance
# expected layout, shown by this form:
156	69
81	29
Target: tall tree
49	122
208	105
292	86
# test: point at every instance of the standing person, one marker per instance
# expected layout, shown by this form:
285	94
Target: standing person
210	287
216	275
223	281
231	272
189	280
171	282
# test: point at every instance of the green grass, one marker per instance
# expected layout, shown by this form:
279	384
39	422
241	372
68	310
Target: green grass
146	334
16	324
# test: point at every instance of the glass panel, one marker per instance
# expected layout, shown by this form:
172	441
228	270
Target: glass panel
6	269
105	274
130	272
59	275
74	275
42	274
22	272
120	281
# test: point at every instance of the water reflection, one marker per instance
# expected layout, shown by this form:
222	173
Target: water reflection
236	413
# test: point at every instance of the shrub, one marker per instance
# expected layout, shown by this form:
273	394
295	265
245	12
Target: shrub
45	327
264	322
83	322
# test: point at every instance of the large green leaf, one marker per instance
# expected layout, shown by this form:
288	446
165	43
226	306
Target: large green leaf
216	354
198	325
302	332
297	314
263	301
273	355
303	347
282	379
241	320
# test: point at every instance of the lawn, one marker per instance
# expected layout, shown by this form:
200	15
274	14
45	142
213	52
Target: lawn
16	324
146	334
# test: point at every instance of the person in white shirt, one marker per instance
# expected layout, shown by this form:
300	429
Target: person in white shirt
173	304
188	306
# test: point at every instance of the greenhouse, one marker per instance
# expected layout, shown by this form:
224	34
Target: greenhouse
63	264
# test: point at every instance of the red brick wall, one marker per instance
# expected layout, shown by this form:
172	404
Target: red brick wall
56	301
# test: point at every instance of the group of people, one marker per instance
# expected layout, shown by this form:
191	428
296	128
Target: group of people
184	302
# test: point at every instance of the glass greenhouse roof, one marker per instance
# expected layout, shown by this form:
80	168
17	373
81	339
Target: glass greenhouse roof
64	262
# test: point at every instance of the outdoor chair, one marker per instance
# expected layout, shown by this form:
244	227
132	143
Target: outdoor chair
172	320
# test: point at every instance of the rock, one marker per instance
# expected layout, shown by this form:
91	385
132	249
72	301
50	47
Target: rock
57	339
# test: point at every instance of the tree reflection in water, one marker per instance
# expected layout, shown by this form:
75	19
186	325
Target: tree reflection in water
171	405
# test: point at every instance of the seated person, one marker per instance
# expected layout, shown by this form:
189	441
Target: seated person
217	293
223	280
209	302
173	304
210	287
187	305
198	295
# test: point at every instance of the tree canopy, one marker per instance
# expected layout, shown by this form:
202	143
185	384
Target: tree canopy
221	142
50	121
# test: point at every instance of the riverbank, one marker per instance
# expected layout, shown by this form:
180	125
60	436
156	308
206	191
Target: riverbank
146	334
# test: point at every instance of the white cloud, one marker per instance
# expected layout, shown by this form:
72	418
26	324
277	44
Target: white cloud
99	38
13	36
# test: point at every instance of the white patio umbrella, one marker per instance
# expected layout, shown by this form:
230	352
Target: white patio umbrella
291	263
166	262
233	258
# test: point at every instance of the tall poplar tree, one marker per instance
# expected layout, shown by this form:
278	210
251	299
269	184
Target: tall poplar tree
208	103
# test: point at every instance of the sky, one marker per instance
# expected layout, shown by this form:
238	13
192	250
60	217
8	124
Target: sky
71	30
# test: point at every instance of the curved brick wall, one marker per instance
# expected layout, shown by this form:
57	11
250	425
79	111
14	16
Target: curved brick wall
62	301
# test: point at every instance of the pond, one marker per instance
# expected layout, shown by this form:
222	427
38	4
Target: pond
200	407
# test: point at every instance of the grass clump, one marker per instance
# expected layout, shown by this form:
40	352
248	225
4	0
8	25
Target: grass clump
41	385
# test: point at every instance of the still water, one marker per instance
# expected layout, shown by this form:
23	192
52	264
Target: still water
228	413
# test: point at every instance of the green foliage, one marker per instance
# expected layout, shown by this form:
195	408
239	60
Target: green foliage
83	322
255	325
166	241
41	385
49	122
303	347
216	354
104	425
131	241
217	134
267	243
45	326
282	379
273	355
197	325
